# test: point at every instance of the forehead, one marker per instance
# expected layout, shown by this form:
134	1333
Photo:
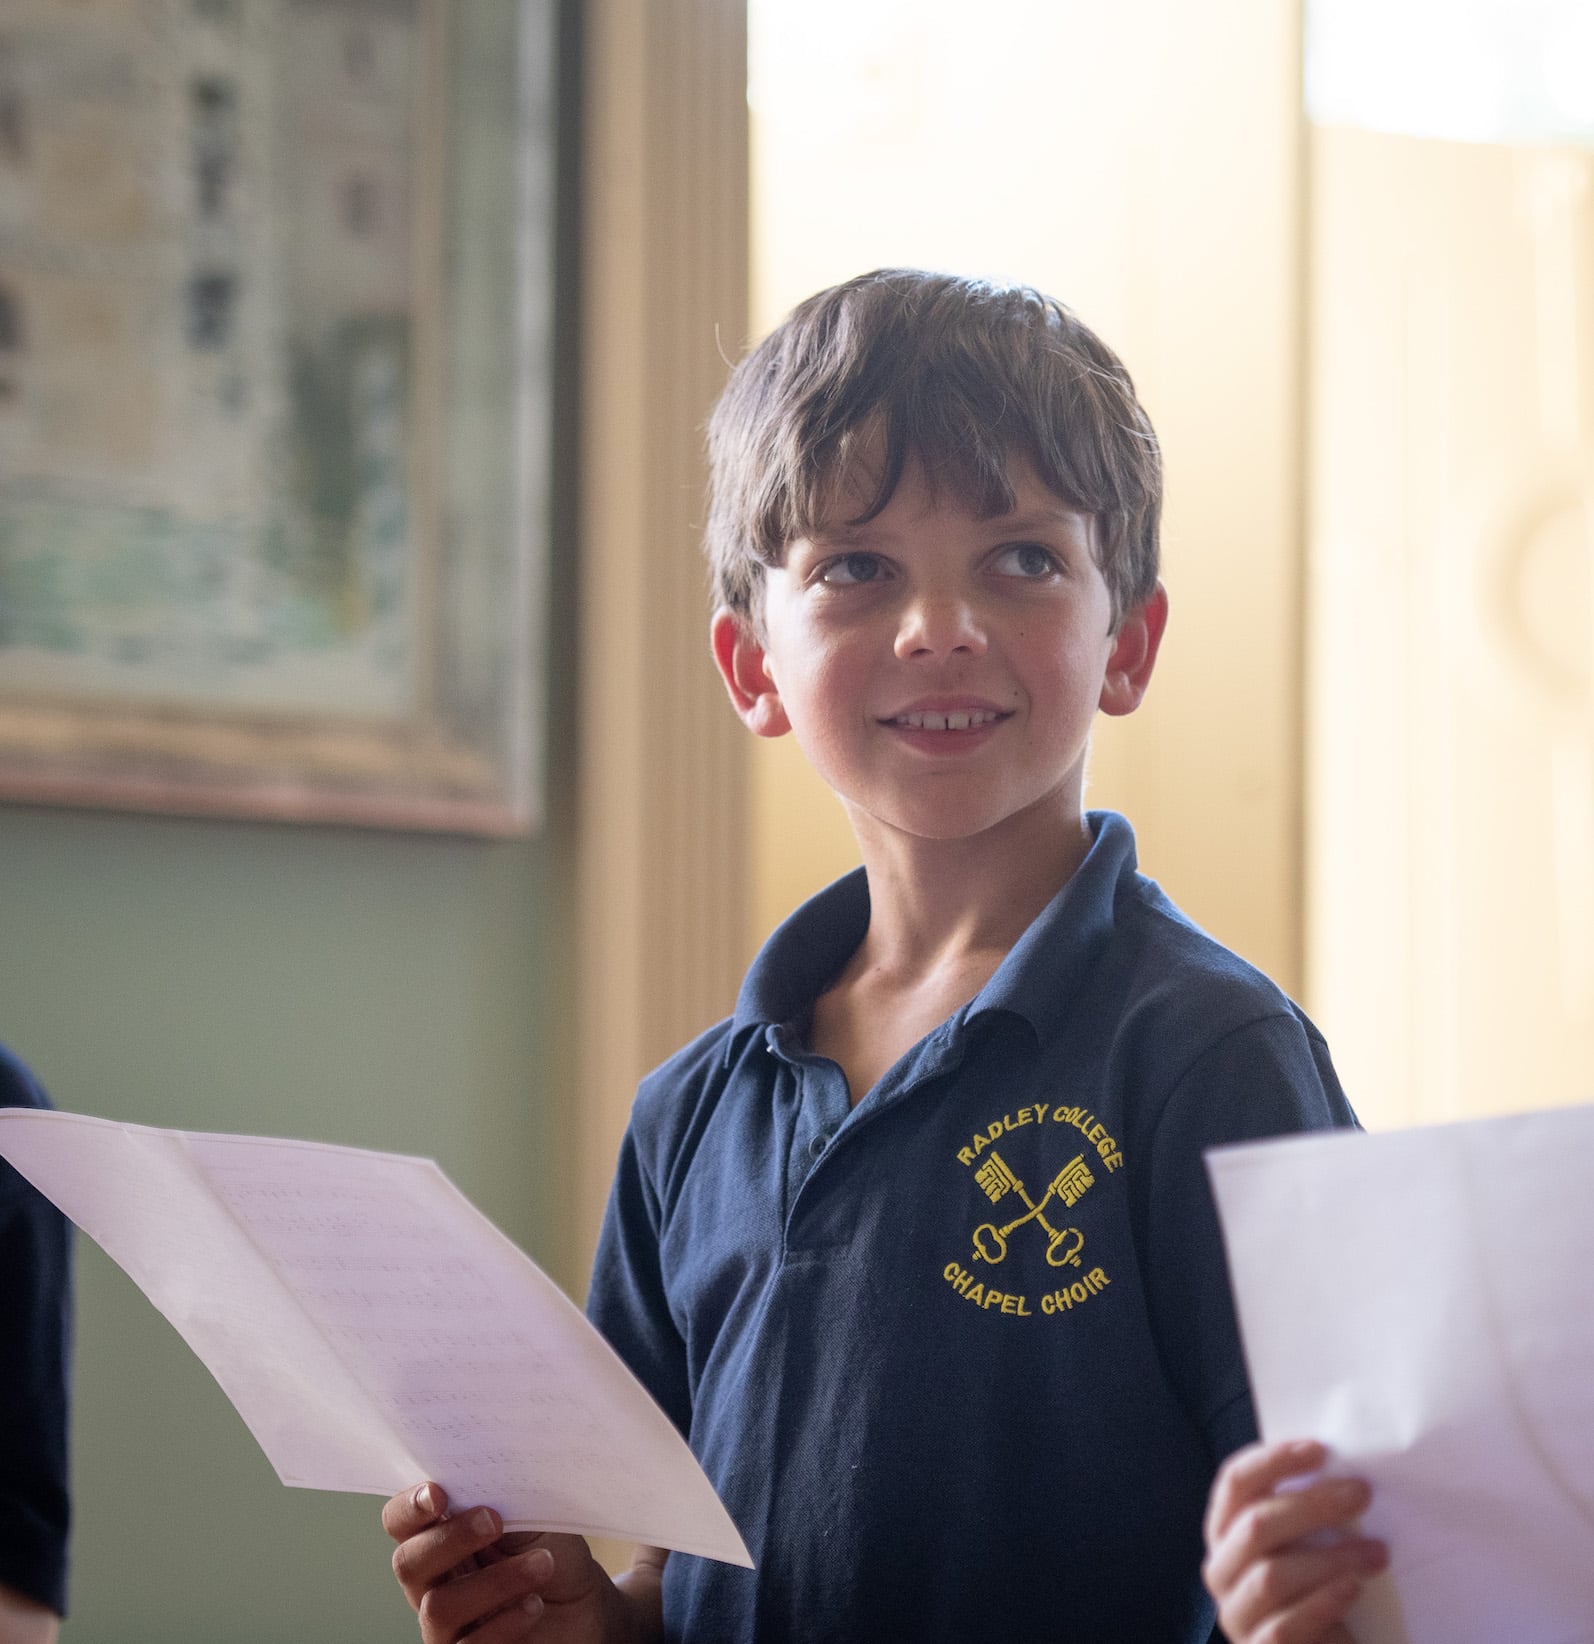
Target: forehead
853	509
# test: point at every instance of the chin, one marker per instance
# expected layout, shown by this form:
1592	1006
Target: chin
944	824
977	813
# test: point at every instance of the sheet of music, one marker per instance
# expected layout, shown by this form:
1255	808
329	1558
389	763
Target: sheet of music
374	1329
1419	1301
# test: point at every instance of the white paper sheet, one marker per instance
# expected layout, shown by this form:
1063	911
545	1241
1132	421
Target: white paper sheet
1423	1302
374	1329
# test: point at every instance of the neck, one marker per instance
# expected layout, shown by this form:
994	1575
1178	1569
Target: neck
938	901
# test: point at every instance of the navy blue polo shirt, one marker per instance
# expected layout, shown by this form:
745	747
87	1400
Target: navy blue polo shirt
961	1360
35	1348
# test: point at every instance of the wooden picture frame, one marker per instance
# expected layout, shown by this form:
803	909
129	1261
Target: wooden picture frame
275	319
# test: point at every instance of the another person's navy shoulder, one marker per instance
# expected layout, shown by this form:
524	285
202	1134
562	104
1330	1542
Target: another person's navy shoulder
35	1351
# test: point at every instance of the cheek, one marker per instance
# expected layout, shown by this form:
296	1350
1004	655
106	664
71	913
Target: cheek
1062	673
825	672
826	707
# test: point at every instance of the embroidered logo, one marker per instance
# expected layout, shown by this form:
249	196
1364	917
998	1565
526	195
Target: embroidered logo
990	1241
1020	1210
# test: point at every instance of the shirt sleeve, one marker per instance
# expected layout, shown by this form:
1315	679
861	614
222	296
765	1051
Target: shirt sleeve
1271	1077
627	1299
35	1355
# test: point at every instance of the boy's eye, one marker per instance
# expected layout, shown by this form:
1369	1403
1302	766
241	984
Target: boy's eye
852	568
1026	559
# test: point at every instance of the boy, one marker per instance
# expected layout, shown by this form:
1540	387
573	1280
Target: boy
917	1247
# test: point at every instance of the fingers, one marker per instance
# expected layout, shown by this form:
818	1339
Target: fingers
1266	1527
413	1510
1254	1473
463	1576
430	1556
1282	1561
1315	1620
494	1604
1295	1597
516	1625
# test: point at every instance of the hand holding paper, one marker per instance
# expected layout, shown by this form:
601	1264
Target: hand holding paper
1421	1302
464	1581
1283	1559
373	1329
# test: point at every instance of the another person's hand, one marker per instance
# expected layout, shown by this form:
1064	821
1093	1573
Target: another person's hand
1286	1564
464	1576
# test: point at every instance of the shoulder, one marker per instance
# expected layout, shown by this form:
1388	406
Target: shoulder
676	1103
1173	972
1112	951
1210	1035
18	1086
693	1070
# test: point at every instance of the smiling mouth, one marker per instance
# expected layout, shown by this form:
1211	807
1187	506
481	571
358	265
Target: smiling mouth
970	721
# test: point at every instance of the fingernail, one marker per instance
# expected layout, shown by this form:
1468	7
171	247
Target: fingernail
1351	1491
539	1564
426	1499
531	1606
483	1522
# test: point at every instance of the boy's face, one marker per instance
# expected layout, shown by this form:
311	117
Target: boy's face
942	671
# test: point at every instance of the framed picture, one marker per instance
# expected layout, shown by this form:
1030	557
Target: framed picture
275	310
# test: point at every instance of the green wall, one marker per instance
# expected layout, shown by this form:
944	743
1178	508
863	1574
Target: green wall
396	991
384	990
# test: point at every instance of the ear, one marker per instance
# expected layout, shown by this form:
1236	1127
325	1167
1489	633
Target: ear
1134	654
744	667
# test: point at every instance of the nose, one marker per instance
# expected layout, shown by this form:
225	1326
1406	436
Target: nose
939	623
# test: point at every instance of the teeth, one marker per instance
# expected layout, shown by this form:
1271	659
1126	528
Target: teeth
947	722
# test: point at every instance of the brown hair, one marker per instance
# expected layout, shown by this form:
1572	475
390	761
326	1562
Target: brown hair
958	375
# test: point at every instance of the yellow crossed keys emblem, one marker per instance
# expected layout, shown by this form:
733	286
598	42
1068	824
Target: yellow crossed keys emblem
998	1180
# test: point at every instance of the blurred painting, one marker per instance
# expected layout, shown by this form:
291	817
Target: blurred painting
242	320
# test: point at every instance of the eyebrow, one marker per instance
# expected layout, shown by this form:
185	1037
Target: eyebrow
865	534
1036	521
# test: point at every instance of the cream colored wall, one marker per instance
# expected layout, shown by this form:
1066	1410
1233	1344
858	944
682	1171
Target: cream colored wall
1452	732
1147	163
1141	161
662	807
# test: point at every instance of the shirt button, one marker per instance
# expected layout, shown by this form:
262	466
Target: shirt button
819	1143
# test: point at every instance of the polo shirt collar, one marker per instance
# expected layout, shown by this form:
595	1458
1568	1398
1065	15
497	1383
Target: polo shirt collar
805	955
1050	961
1046	965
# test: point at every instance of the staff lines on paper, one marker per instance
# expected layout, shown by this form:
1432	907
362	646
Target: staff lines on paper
351	1376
